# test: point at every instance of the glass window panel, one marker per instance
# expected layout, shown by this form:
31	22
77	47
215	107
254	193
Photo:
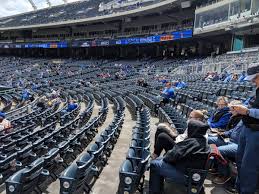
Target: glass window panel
210	17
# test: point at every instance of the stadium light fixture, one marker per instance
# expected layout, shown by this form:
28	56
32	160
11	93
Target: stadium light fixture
33	5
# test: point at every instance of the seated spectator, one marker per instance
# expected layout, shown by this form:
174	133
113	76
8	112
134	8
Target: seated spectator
167	93
227	143
166	136
228	78
4	123
215	77
222	115
142	82
42	103
54	93
234	77
164	81
25	95
31	97
180	84
50	103
72	106
209	76
34	87
224	75
242	77
191	153
50	83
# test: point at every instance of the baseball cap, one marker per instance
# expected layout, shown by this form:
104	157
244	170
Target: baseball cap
252	72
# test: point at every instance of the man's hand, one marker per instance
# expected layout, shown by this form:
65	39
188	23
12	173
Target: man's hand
220	133
214	130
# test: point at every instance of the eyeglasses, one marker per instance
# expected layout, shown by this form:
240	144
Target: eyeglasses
190	117
222	104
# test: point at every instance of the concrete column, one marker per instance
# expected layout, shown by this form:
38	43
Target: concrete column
138	51
103	52
157	50
58	52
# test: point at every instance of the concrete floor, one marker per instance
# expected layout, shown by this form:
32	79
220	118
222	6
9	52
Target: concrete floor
109	179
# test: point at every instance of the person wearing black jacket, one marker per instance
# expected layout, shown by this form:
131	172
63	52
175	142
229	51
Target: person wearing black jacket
191	153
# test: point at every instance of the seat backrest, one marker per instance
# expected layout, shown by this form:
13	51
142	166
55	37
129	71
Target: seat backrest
51	155
33	170
132	153
126	167
86	158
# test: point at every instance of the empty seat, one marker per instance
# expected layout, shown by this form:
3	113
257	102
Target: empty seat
27	179
78	176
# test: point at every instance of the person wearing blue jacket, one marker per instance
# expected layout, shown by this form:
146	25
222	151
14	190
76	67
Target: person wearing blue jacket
167	93
180	84
72	106
242	77
222	115
228	78
25	95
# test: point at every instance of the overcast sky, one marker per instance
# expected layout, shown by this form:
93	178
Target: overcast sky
11	7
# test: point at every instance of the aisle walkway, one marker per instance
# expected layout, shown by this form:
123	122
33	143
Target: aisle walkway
109	178
106	123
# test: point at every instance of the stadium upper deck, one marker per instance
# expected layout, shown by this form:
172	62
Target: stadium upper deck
82	11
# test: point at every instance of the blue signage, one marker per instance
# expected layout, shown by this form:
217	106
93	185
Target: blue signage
124	41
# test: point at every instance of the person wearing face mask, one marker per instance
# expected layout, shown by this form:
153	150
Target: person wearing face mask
248	144
166	137
190	153
222	115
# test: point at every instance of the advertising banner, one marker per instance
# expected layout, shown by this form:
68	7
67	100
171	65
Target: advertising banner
124	41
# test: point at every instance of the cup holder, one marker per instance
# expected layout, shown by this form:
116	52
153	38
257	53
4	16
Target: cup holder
33	154
18	163
18	149
45	172
78	143
95	170
3	156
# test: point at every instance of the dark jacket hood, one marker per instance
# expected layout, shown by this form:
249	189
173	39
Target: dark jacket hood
197	129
